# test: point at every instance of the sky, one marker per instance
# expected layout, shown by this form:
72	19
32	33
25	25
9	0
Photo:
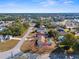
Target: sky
39	6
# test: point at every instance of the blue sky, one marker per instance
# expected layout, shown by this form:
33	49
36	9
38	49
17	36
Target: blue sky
39	6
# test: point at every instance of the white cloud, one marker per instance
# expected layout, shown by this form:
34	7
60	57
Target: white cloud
48	3
68	2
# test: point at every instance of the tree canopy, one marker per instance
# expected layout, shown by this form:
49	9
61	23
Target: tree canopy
16	29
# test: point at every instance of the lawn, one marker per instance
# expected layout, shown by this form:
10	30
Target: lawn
9	44
29	46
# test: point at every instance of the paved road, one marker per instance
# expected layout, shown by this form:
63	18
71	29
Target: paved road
16	49
44	56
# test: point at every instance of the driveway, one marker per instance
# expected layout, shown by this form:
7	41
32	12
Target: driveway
16	49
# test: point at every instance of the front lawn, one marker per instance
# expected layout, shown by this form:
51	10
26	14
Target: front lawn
7	45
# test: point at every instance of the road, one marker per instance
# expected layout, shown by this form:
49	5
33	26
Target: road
43	56
16	49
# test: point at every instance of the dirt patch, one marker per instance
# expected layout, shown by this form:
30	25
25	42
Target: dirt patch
30	46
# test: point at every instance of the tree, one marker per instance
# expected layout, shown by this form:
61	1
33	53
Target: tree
76	46
69	40
37	24
53	34
26	25
16	29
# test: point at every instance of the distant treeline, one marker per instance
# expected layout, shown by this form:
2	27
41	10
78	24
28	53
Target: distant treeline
13	16
41	14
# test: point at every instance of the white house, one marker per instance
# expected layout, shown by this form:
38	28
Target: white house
71	24
77	20
4	38
77	34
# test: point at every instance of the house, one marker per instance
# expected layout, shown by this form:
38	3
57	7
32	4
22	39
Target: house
61	30
1	38
4	38
42	29
23	20
77	20
41	37
71	24
77	34
3	24
2	28
63	22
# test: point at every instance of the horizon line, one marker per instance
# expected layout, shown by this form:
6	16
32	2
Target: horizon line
39	13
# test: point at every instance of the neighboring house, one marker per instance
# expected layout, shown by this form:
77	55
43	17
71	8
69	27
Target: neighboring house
42	29
60	22
71	24
23	20
1	38
40	39
4	38
60	30
77	34
2	28
5	23
77	20
40	36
